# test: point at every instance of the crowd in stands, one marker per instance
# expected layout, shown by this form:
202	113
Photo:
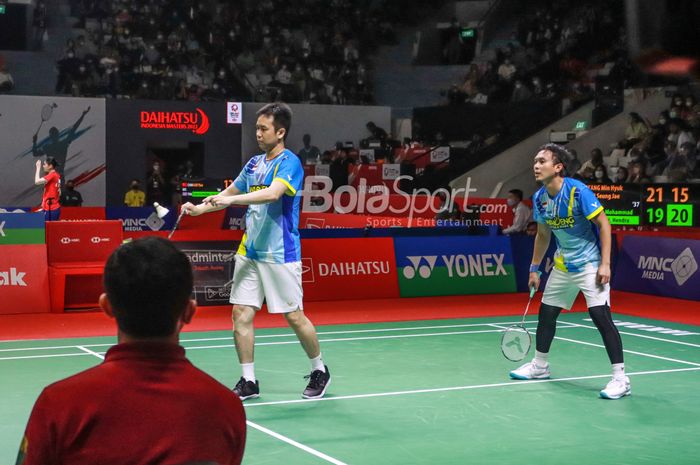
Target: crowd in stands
552	54
312	51
7	83
666	149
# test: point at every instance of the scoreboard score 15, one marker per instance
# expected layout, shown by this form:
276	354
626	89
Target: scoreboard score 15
669	205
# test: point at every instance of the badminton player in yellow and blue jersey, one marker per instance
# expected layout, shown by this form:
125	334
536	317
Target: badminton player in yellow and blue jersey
268	262
568	209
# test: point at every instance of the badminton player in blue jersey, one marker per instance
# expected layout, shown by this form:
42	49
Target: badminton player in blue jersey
268	262
570	210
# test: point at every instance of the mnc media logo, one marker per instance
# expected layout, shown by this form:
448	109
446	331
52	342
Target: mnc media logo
682	267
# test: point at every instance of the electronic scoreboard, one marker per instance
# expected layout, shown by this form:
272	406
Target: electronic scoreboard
668	205
195	191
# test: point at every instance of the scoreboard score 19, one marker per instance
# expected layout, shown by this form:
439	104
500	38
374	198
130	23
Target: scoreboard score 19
668	205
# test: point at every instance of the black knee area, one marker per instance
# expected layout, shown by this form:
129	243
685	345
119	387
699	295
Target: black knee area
602	318
546	326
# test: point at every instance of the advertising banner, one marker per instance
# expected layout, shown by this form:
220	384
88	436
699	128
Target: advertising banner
212	264
142	218
24	285
362	268
454	265
24	280
338	221
82	241
659	266
71	130
522	246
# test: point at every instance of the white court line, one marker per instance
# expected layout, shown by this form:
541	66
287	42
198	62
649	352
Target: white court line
294	443
228	338
644	336
21	357
101	357
464	388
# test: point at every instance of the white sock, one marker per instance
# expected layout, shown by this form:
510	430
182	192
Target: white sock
248	371
618	370
317	364
541	359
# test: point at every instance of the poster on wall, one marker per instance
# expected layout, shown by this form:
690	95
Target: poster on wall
71	130
212	265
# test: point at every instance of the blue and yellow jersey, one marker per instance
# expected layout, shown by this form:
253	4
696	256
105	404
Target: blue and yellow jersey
569	215
272	233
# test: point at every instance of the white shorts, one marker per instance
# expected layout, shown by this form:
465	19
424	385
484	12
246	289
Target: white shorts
563	287
279	284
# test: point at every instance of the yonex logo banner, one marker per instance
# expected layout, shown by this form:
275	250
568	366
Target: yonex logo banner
454	265
659	266
21	228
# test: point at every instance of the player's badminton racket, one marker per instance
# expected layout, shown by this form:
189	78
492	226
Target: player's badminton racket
177	223
516	339
46	112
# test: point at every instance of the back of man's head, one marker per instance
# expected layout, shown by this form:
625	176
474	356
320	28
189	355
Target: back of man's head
148	283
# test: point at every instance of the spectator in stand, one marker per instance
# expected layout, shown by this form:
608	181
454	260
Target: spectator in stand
146	392
506	72
600	174
71	197
339	170
637	173
531	229
135	196
521	92
155	186
678	168
376	133
574	164
7	83
621	175
308	154
522	215
590	165
636	130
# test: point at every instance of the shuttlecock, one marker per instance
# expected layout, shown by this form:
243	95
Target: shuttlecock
161	211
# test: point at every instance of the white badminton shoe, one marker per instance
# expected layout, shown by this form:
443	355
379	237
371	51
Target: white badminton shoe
617	388
531	371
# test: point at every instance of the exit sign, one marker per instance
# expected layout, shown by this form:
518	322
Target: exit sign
2	9
580	125
468	33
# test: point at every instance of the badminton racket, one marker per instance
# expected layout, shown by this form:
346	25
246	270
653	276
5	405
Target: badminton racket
177	223
46	112
516	339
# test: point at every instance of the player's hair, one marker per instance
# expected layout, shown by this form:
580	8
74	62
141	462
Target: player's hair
281	116
516	192
559	154
149	283
52	162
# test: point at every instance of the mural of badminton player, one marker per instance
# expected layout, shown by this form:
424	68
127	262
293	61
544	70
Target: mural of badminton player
57	145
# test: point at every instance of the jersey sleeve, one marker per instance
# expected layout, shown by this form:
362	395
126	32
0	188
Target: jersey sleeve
590	205
291	173
536	216
241	182
52	176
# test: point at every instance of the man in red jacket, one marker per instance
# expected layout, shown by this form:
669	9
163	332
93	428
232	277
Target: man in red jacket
146	403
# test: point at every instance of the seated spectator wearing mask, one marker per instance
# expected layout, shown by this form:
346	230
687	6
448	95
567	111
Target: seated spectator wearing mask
521	213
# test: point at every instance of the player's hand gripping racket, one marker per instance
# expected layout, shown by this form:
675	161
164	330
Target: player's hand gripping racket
516	339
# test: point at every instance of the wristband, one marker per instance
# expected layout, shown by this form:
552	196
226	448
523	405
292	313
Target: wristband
534	268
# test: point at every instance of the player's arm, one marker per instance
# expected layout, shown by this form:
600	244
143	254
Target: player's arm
270	194
207	205
542	239
605	232
38	179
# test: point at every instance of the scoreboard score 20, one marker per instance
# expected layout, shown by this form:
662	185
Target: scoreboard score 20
669	205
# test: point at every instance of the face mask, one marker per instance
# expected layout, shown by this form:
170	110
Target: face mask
662	121
510	202
599	175
673	114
